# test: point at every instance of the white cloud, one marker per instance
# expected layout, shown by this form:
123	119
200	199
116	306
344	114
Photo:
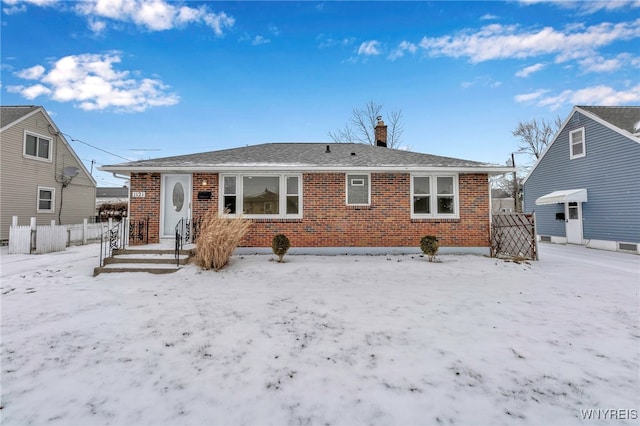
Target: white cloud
32	73
325	41
488	17
527	71
154	15
403	47
484	81
498	41
602	65
258	40
594	95
369	48
92	82
528	97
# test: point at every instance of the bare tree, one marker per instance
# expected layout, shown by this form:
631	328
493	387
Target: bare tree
361	125
535	136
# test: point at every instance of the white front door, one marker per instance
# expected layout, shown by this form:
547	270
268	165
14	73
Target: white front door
573	212
175	203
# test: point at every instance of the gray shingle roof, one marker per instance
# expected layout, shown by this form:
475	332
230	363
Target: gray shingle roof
110	192
9	114
301	156
625	117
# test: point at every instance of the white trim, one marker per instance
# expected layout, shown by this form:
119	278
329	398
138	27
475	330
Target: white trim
572	144
282	195
433	197
284	168
49	158
53	200
349	182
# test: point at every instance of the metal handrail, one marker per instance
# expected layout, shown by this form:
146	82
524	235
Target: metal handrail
113	238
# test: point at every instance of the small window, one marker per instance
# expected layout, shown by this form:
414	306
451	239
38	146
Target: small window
358	190
293	195
577	145
46	199
421	191
434	197
229	194
37	147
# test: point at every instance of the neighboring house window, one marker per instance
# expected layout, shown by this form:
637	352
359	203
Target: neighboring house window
262	195
434	196
358	190
46	199
37	147
577	145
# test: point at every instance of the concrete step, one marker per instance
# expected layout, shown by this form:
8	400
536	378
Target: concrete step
154	261
135	267
147	259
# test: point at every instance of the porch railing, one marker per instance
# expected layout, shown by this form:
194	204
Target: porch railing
115	237
139	230
186	232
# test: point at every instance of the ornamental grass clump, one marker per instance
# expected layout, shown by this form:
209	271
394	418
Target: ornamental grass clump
429	246
280	245
217	239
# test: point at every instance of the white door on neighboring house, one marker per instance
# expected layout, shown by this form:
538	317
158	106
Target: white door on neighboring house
573	212
175	203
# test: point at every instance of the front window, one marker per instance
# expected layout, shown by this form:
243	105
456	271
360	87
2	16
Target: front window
37	147
262	195
358	190
577	145
45	200
434	196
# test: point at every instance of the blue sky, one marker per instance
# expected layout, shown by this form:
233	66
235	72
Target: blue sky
145	79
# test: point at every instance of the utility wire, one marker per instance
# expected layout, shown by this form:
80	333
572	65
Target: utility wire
95	147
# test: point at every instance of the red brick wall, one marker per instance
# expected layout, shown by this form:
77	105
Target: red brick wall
147	207
329	222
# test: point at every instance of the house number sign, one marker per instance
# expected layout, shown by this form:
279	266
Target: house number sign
137	194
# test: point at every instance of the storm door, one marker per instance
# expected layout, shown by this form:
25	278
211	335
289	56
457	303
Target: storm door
175	203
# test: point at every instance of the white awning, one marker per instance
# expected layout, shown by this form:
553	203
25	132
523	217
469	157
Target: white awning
568	195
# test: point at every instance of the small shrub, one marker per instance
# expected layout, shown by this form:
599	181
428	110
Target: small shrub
429	246
280	245
218	237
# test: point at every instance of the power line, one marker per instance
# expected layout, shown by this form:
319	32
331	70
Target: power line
95	147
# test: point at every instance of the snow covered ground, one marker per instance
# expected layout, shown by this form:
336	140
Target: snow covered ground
321	340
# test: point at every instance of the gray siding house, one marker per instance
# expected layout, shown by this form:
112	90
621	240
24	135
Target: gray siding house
585	187
40	174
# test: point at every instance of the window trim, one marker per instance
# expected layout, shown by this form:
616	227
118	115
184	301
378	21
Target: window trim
433	197
348	179
53	199
49	158
282	195
572	144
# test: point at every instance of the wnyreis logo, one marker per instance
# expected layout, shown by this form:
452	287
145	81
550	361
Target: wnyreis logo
609	414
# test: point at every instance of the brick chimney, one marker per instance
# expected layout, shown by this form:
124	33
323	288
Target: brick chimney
381	132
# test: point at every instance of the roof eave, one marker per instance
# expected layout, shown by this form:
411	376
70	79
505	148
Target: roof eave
492	170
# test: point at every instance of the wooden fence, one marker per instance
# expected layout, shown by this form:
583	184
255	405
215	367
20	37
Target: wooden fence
46	239
514	236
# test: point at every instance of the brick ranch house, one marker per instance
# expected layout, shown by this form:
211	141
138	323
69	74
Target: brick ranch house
335	197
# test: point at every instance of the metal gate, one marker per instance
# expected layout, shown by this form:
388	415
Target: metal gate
514	236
